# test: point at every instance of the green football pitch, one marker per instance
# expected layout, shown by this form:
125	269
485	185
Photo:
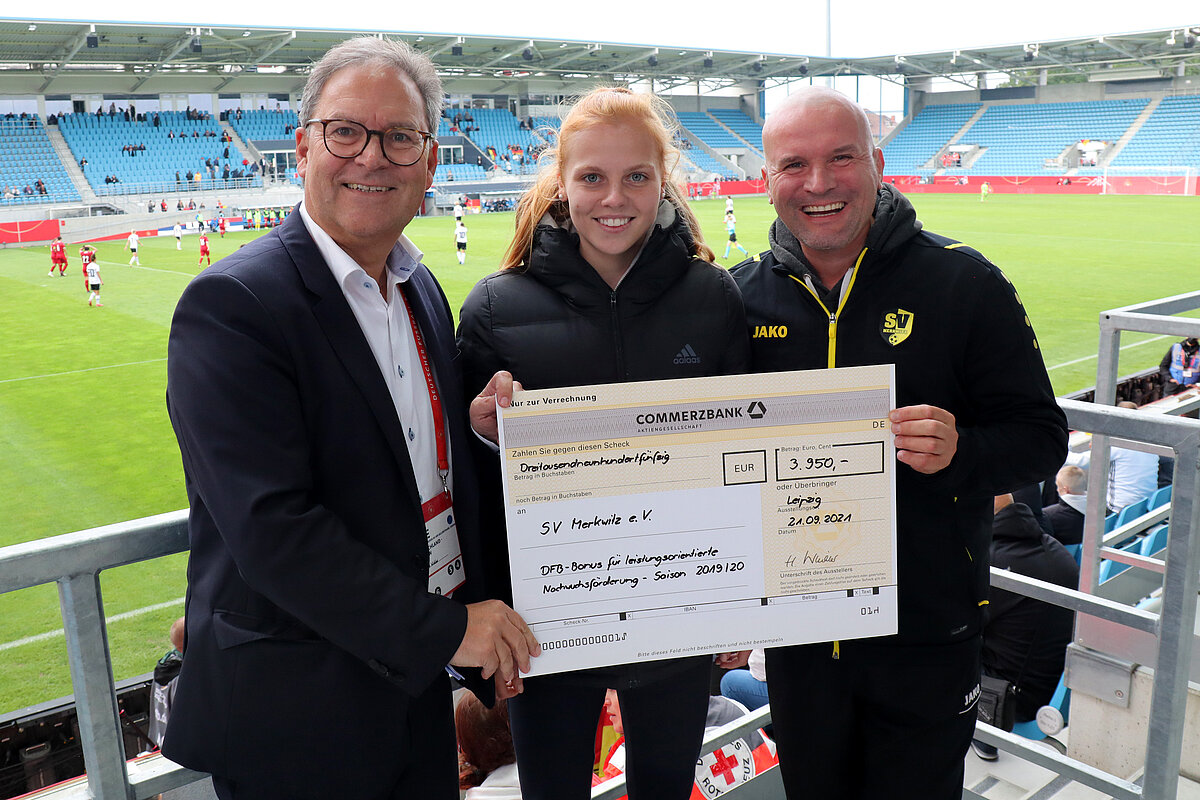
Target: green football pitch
85	439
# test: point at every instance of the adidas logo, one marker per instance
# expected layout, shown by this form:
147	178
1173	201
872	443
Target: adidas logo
686	356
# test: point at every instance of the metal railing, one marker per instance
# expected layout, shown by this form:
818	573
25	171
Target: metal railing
74	561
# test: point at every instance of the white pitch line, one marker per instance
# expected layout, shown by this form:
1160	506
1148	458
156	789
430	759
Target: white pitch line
86	369
1123	347
137	612
119	264
172	271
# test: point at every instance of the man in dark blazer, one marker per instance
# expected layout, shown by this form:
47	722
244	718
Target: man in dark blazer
308	377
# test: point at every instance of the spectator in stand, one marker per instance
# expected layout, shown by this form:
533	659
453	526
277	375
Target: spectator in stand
746	686
1025	640
1066	516
27	190
1132	474
162	692
1180	367
487	762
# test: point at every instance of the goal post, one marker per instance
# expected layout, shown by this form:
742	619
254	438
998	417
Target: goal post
1148	180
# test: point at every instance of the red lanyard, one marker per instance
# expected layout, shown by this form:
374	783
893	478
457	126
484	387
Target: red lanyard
435	400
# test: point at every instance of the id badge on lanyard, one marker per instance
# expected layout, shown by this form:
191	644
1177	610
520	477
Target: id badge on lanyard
441	529
445	555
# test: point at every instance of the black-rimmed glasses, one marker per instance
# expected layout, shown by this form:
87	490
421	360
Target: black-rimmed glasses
346	138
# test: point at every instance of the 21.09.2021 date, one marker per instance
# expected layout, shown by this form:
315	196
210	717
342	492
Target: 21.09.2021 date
818	519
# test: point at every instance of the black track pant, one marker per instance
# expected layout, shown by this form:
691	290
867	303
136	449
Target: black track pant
879	721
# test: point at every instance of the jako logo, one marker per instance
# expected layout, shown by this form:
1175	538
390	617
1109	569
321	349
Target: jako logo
686	356
756	410
770	332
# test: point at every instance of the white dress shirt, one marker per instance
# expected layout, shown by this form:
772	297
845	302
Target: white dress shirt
389	334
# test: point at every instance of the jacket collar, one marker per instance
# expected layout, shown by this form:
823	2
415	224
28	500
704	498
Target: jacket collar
555	262
895	223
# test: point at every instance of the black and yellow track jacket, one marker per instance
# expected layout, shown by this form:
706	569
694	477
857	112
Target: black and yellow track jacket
960	339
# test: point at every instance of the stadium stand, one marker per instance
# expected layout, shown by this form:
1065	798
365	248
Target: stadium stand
546	124
448	173
498	129
741	125
709	165
176	145
706	129
262	124
27	156
1169	138
921	139
1018	139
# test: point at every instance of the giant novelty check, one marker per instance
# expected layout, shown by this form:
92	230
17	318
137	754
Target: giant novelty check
671	518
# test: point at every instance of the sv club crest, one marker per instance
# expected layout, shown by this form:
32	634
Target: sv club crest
896	326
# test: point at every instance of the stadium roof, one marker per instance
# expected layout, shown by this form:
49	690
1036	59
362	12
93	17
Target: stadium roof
47	57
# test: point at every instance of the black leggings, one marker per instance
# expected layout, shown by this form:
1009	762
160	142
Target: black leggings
554	729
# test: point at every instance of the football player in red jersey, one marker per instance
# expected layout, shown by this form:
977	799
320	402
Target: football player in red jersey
204	249
58	256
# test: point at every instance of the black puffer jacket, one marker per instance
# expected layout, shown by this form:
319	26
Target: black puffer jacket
956	331
557	323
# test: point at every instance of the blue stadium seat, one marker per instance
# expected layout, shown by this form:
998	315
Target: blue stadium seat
1160	498
1132	511
1154	542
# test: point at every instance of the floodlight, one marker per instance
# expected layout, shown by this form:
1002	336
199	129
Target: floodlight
527	54
196	46
804	69
93	40
652	61
1189	41
456	50
708	62
756	66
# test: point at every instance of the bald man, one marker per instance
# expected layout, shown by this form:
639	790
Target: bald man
852	279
